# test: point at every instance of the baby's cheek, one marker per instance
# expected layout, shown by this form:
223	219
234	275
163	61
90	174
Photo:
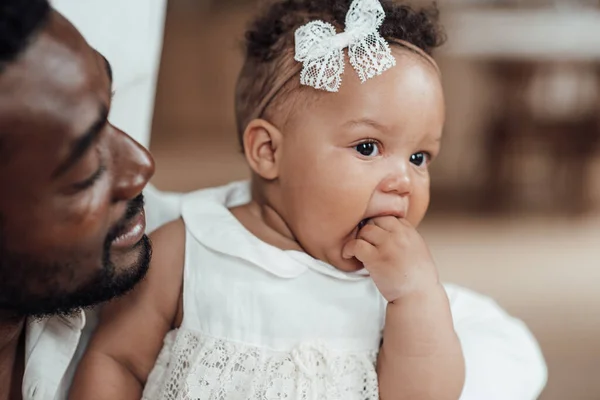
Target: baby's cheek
419	203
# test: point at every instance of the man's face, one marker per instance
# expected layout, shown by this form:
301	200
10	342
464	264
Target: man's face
71	215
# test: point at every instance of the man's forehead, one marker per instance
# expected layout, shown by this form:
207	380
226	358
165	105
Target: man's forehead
51	58
57	72
54	91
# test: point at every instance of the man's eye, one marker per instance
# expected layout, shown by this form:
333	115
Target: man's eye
420	159
368	149
89	182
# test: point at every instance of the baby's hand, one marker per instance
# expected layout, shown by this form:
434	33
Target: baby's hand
395	255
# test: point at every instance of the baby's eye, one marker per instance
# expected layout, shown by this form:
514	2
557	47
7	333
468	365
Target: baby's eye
419	159
368	149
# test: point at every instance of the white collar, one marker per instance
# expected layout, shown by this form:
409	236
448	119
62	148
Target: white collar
208	219
35	328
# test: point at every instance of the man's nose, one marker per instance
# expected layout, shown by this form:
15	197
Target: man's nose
134	166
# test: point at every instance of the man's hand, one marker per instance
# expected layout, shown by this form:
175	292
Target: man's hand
395	255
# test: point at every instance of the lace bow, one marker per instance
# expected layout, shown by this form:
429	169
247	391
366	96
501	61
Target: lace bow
320	49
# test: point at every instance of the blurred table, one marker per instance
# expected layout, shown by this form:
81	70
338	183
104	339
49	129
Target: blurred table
546	67
537	35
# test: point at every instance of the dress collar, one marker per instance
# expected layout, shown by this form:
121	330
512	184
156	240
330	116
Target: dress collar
208	219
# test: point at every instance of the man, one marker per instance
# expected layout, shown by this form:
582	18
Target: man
71	215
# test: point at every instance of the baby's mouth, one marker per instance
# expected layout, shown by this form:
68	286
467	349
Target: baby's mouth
362	223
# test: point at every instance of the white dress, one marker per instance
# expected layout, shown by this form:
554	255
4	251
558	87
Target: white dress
260	323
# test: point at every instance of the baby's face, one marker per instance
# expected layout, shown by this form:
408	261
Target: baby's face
361	153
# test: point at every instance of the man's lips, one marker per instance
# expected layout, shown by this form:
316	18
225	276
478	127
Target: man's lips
131	232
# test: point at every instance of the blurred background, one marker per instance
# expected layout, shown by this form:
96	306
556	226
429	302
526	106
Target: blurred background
516	191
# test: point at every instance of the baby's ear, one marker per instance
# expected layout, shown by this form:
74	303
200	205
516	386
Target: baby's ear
262	144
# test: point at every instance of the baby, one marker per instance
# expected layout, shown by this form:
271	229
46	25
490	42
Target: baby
311	280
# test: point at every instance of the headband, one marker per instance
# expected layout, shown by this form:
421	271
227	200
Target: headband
320	55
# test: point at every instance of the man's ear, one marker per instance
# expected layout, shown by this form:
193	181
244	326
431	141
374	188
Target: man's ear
262	145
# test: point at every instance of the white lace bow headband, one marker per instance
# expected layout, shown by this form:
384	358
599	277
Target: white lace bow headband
320	56
320	49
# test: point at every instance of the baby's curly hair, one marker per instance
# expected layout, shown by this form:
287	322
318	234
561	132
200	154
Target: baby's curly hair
269	44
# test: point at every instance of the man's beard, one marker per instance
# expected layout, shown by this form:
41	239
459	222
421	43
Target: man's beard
107	283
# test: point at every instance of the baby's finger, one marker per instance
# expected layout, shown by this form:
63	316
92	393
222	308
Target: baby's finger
362	250
373	234
388	223
392	224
